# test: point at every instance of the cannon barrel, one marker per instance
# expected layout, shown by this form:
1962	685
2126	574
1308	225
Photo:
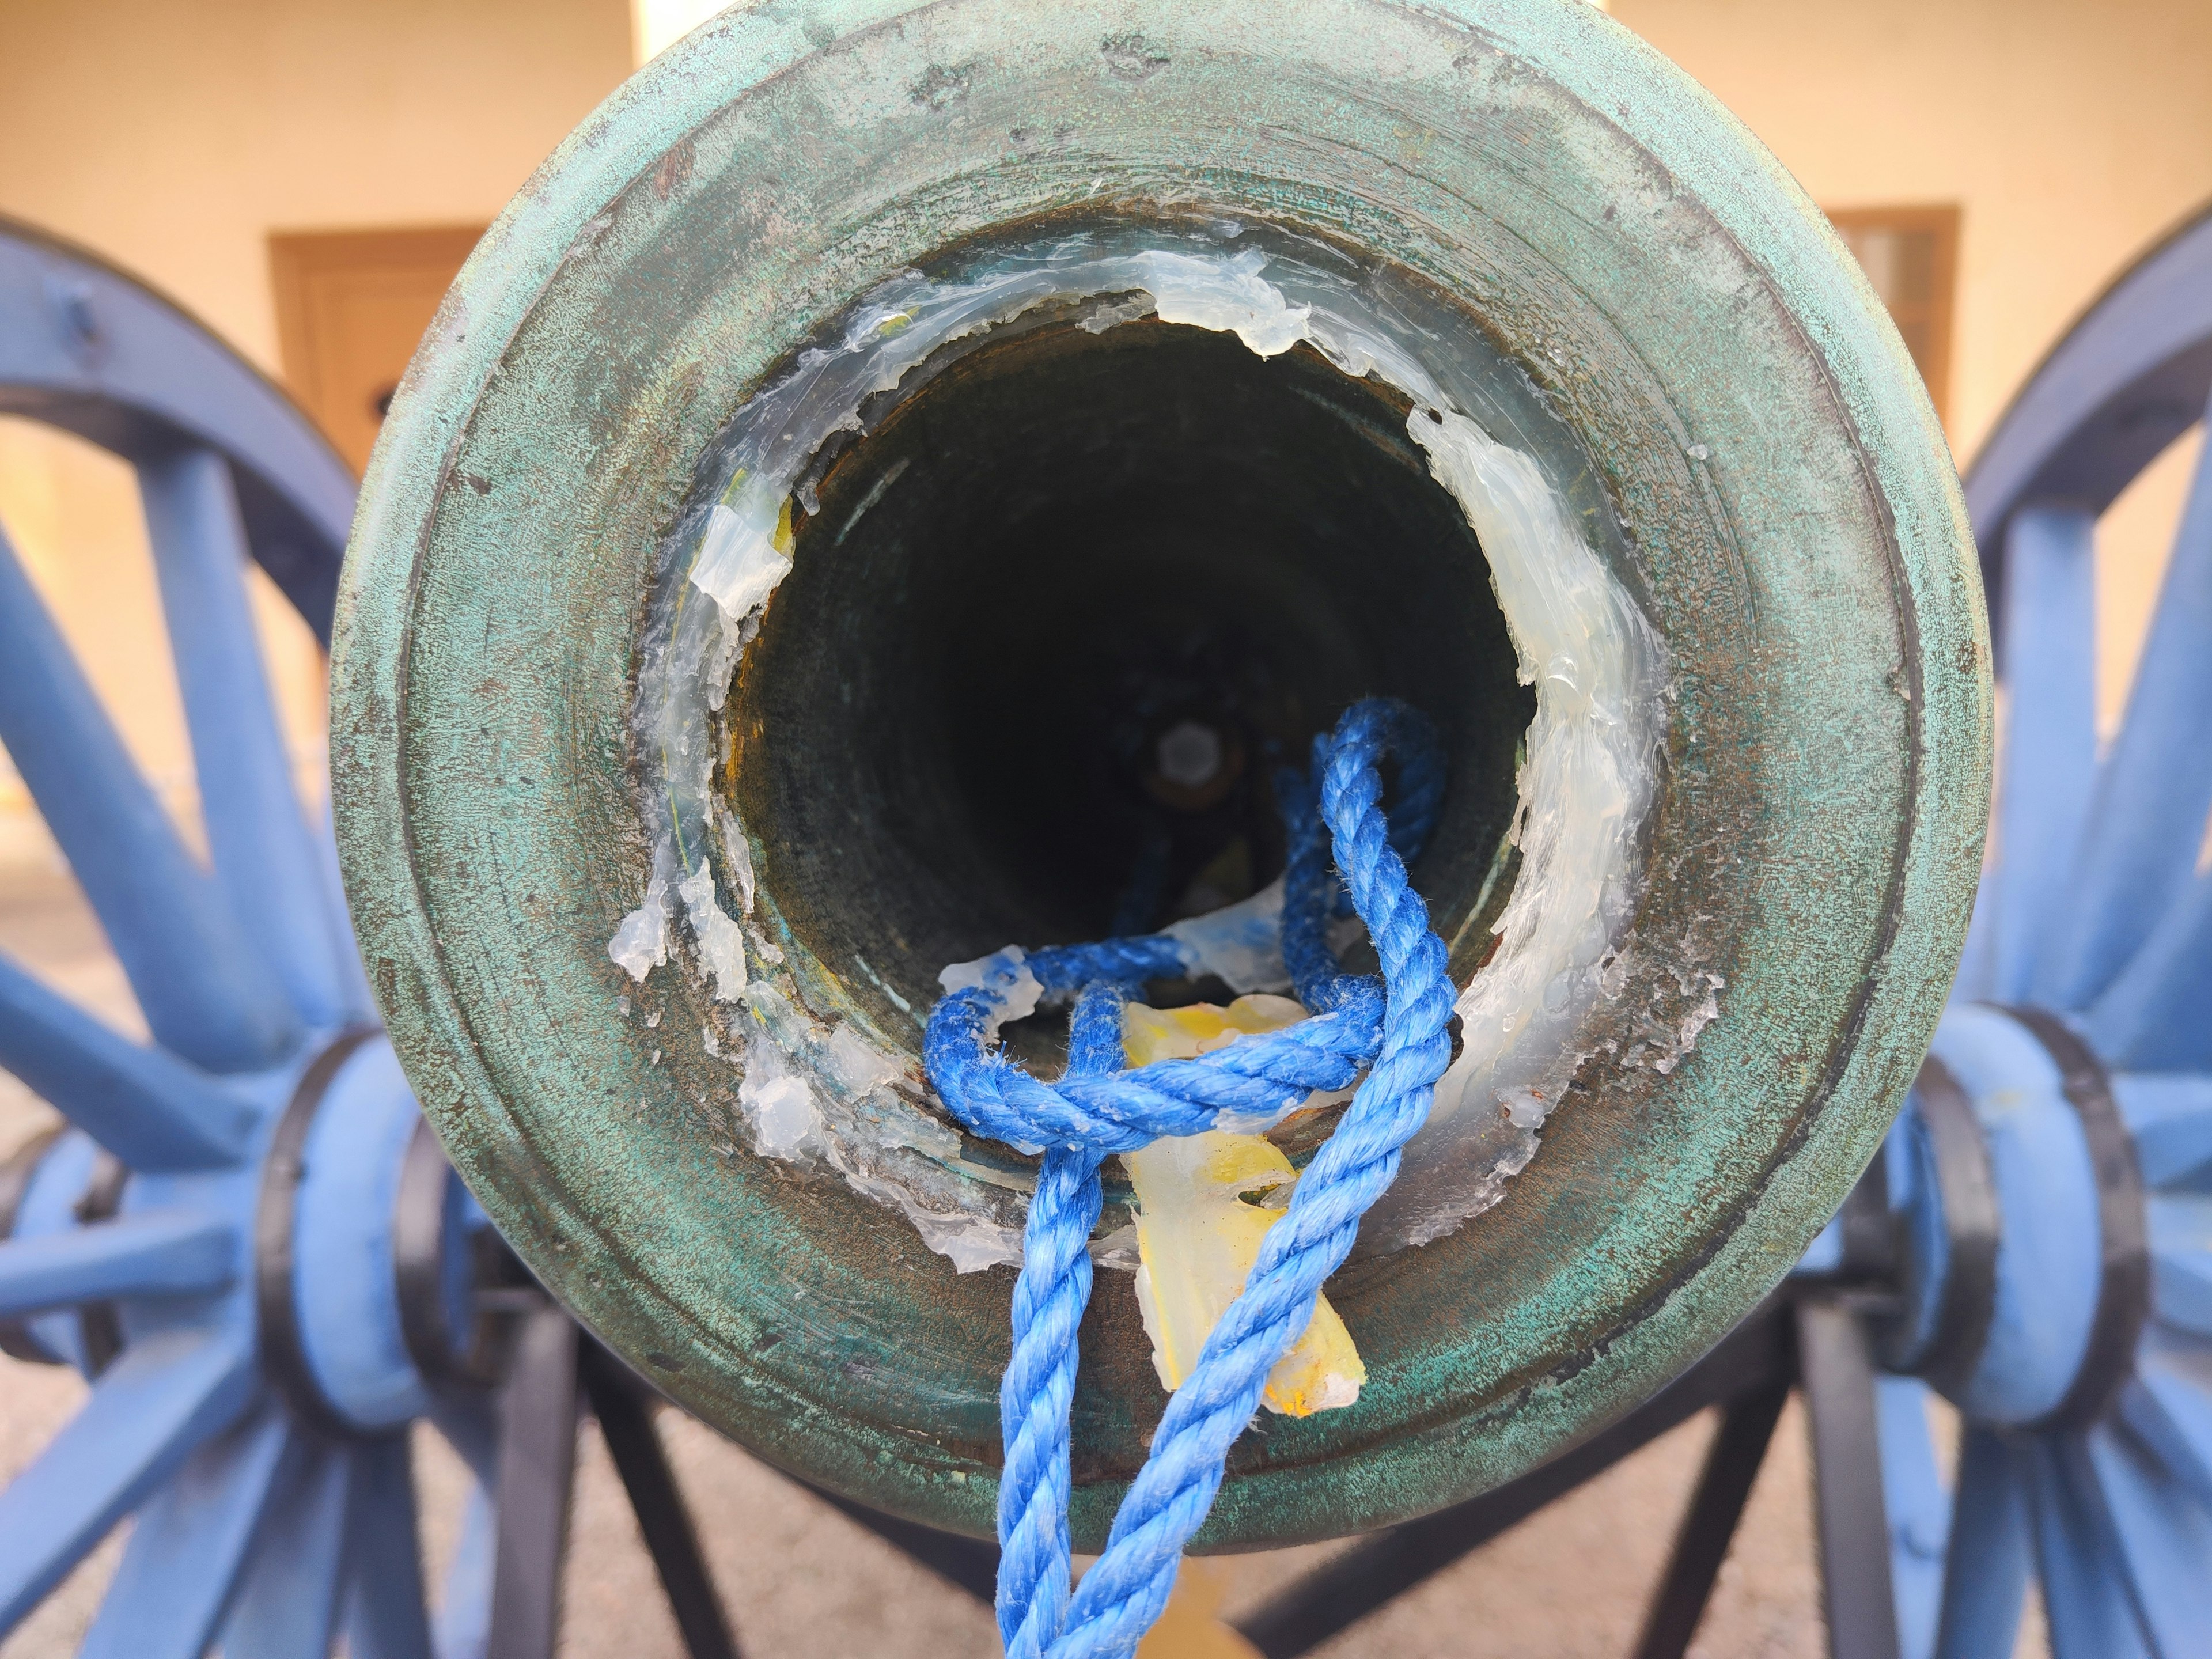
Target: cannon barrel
898	480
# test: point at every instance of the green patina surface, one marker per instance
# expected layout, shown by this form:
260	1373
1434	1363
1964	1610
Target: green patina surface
1788	516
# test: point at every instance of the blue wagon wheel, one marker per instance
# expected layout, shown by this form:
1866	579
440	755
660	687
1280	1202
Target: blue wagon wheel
162	1241
2050	1185
246	1237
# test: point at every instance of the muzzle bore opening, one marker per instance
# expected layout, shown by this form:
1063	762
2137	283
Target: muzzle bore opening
1062	614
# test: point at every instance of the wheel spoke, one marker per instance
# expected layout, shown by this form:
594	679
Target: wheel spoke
1977	966
621	1404
2169	1117
464	1622
167	1394
537	1470
2181	1260
1837	1371
150	1109
2165	1538
2078	1558
2050	730
263	856
1985	1572
188	1548
203	994
161	1253
1919	1511
470	1427
289	1607
2171	1413
386	1617
1708	1528
2153	1017
464	1625
2148	819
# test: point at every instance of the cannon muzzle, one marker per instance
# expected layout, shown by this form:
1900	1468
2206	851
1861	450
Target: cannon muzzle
906	482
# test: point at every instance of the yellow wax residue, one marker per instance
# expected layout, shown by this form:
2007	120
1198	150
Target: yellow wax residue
782	539
1204	1202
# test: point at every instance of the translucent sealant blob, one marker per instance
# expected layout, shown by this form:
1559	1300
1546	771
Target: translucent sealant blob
721	945
1015	991
1598	670
1240	944
1592	761
832	1101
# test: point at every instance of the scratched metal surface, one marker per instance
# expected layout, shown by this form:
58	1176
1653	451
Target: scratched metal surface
1789	516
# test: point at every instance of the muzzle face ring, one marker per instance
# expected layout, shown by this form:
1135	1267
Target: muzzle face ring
1760	470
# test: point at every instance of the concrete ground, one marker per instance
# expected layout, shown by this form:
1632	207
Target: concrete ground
799	1580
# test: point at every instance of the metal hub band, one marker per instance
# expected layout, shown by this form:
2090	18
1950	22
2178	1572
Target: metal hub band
418	1251
1972	1222
284	1355
2124	1283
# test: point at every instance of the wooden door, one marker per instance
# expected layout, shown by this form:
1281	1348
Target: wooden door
1910	255
350	307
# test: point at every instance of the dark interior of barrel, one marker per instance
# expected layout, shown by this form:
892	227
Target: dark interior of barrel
1061	617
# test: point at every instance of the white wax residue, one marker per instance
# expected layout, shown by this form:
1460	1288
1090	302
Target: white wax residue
740	852
720	945
739	564
856	1063
641	942
779	1102
1242	943
1227	295
1592	762
1007	973
969	1244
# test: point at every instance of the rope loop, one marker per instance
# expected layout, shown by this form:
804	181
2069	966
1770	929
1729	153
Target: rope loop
1343	850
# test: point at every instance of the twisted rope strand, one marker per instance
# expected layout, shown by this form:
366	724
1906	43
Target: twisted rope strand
1096	1109
1039	1385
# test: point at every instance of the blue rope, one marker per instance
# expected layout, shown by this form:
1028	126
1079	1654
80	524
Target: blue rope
1398	1035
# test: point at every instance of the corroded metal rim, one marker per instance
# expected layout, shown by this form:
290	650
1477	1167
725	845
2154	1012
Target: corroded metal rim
1788	512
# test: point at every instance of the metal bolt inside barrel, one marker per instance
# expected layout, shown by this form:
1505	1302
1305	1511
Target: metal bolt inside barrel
1190	755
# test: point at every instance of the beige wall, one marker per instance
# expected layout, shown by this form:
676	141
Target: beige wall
172	139
2072	132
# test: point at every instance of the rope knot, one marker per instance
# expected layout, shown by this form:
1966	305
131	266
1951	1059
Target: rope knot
1393	1029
